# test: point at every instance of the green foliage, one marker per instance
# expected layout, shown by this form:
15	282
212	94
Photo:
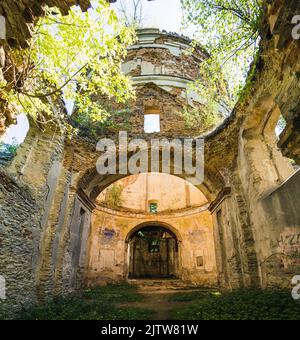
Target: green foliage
112	120
229	30
102	304
93	304
9	150
281	125
188	297
114	195
242	305
5	311
153	208
205	119
120	293
246	89
119	120
72	57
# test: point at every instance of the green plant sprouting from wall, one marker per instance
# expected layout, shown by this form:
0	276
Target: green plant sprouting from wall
112	119
245	90
114	195
201	118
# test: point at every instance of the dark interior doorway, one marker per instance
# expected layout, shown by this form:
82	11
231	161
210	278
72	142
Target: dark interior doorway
153	253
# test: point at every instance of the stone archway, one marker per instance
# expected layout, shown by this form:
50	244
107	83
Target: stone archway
153	252
184	235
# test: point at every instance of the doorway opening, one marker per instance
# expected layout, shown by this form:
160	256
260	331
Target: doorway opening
154	254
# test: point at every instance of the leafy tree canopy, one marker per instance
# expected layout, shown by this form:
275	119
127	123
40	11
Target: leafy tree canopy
229	30
76	56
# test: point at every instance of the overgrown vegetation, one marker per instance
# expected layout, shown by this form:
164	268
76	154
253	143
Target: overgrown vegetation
281	125
114	120
190	296
240	305
198	118
79	55
114	195
71	57
103	303
94	304
229	31
8	151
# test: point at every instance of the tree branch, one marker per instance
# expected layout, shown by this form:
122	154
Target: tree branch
58	90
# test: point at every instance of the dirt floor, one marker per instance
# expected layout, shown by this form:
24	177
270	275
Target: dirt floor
159	303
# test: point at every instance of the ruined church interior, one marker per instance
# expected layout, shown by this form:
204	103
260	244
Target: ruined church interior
66	228
158	233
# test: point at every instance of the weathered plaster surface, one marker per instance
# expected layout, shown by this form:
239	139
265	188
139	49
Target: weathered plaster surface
108	251
48	192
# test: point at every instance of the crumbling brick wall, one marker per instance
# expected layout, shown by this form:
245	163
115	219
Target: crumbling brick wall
51	180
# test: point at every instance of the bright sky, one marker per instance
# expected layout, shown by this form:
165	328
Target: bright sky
163	14
17	132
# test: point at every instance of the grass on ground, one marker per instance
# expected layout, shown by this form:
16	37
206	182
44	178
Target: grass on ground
188	296
105	303
238	305
93	304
